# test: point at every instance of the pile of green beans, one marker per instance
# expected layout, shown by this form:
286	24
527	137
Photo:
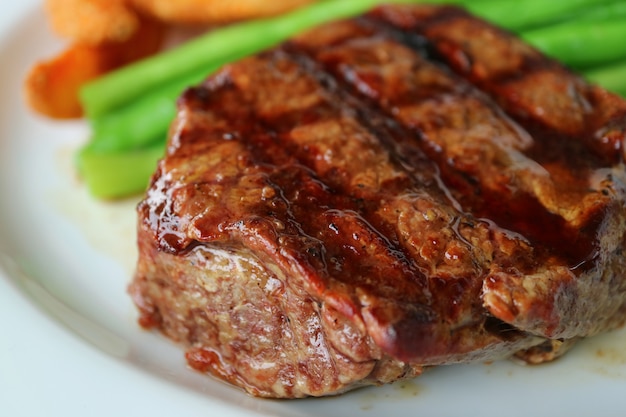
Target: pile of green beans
129	110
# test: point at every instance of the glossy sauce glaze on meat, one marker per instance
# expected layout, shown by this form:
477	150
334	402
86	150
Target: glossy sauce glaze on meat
410	188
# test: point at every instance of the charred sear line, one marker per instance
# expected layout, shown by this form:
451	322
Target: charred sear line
341	236
412	39
420	173
400	143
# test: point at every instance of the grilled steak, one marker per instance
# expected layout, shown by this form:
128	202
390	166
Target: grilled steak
410	188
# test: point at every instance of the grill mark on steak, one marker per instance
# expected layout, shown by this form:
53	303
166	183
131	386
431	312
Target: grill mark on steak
387	198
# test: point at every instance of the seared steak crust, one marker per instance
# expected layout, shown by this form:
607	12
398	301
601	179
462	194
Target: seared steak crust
381	195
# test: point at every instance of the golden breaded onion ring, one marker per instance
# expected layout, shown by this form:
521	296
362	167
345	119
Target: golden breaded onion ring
213	11
92	22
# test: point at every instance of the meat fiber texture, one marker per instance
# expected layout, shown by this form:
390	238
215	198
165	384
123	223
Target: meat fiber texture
411	188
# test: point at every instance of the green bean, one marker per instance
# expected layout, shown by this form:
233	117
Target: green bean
603	12
582	44
141	122
111	175
522	15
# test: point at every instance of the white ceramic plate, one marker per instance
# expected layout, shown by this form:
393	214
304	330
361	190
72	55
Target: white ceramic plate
69	343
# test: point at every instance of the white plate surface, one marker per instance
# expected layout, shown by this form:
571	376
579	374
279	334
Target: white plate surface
69	342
